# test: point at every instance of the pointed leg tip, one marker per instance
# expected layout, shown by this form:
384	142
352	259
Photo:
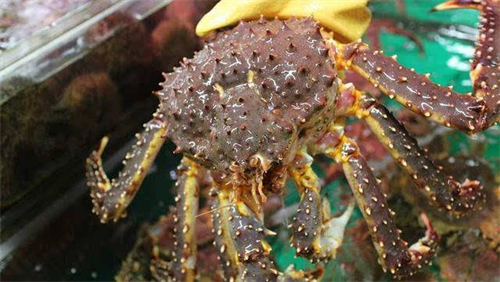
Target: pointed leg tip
457	4
102	145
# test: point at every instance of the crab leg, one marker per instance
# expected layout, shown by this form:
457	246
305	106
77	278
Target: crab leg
394	254
443	191
241	240
314	234
223	240
179	264
112	198
184	262
469	113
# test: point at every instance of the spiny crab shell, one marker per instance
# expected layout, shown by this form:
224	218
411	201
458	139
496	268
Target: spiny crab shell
257	92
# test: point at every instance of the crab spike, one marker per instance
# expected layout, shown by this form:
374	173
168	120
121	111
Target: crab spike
394	255
110	199
184	256
245	241
443	191
315	235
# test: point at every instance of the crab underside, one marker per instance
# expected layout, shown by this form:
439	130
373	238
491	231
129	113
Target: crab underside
252	108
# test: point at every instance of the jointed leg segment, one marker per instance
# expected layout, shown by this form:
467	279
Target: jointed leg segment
442	190
241	241
306	225
469	113
180	263
223	240
184	255
315	234
394	254
112	198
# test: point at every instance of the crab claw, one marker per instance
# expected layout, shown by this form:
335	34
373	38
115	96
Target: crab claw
457	4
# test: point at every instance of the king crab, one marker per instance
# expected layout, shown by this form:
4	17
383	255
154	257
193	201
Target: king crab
253	106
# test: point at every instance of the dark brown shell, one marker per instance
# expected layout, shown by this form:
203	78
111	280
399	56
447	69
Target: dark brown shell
218	117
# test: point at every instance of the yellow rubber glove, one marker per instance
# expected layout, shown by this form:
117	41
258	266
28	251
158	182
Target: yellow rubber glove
348	19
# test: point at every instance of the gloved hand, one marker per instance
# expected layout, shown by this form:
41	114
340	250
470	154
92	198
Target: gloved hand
348	19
